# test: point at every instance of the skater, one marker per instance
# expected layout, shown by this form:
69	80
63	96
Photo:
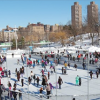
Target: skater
34	77
17	61
18	76
41	90
77	80
42	71
91	73
75	66
9	73
97	73
62	70
33	64
60	82
9	85
31	74
48	90
20	95
14	94
65	64
37	79
68	64
16	71
12	55
29	80
22	81
51	87
15	85
43	82
48	75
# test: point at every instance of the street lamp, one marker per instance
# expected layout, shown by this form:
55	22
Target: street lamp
16	37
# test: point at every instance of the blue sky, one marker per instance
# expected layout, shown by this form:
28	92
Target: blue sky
21	12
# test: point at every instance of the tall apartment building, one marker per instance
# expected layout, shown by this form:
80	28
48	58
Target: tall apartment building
92	13
8	34
76	15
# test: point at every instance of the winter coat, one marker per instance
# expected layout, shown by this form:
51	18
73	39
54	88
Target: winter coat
48	88
43	81
60	81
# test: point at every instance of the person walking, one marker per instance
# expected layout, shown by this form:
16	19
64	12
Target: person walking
60	82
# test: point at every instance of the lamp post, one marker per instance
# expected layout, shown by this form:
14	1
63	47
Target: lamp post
16	37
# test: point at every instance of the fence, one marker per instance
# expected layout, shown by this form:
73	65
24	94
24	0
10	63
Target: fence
26	96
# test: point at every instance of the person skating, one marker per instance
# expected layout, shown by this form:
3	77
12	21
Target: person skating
37	79
34	77
48	75
62	70
97	73
17	61
15	85
31	74
22	81
20	95
75	66
16	71
48	90
29	80
65	65
9	73
14	94
18	76
9	85
51	87
60	82
41	90
91	73
68	64
43	82
77	80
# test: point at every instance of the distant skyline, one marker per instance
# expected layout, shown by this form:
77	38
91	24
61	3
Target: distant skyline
22	12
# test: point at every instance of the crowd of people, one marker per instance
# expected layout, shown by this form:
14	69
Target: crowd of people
93	58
